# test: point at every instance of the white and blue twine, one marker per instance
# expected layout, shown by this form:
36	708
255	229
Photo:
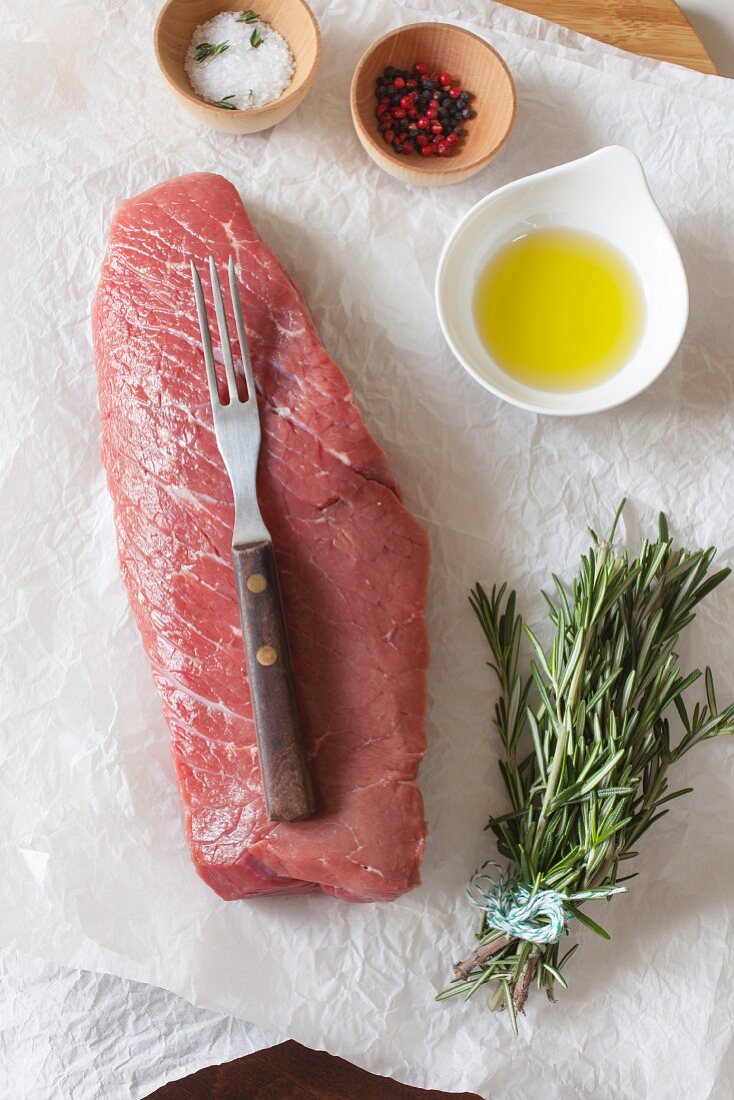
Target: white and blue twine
538	916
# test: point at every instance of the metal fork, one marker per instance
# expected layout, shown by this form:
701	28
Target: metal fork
283	766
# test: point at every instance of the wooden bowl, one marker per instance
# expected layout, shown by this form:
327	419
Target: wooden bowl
468	58
176	23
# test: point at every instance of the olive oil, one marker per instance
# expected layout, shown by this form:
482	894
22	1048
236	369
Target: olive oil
559	309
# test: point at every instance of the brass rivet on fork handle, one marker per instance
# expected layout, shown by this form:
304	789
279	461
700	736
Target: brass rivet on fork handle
266	655
283	765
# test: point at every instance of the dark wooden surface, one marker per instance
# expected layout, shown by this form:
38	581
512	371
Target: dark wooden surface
283	765
291	1072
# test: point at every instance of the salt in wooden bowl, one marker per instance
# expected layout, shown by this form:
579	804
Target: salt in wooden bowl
177	21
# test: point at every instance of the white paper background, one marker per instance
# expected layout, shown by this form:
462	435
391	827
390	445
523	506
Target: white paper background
73	1035
95	872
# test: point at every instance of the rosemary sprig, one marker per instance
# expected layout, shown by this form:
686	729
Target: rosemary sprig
206	49
587	739
224	103
256	39
248	16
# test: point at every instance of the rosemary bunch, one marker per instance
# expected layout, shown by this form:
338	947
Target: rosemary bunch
587	744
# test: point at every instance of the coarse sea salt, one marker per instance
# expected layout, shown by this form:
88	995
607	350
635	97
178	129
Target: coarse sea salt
243	75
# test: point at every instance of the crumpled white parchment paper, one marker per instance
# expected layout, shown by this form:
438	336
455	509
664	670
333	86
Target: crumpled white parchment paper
95	869
77	1035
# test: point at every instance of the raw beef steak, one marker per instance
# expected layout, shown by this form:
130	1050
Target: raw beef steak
353	562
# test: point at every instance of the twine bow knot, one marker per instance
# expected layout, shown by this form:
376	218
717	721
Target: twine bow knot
538	916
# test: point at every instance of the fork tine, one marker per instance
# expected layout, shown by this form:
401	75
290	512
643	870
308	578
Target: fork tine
223	333
241	334
211	372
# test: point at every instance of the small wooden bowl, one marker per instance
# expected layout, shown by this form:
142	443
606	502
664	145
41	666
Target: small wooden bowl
445	48
176	23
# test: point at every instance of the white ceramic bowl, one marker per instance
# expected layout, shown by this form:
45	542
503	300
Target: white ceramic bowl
605	193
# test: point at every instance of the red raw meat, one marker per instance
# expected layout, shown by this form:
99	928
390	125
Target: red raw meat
353	562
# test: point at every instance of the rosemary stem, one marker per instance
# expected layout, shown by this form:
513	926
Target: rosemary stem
480	956
555	772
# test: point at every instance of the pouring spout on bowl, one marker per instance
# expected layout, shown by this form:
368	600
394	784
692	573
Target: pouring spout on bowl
606	194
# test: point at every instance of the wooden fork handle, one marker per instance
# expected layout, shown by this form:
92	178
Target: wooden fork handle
283	765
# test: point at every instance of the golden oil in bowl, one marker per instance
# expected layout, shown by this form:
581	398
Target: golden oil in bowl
559	309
